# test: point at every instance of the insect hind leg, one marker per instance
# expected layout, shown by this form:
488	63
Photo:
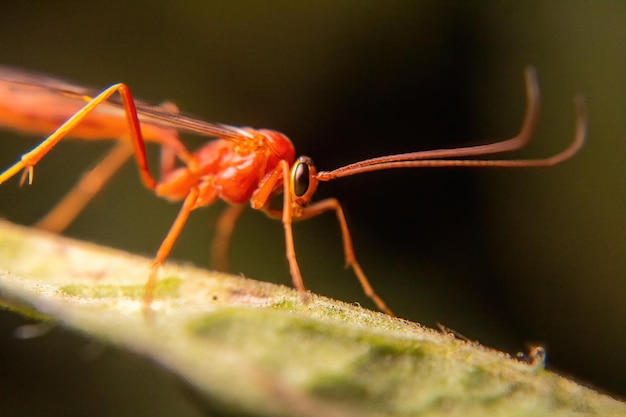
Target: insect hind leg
224	231
66	210
30	159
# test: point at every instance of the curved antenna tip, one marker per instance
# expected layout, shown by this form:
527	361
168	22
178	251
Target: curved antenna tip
579	101
581	116
530	72
532	83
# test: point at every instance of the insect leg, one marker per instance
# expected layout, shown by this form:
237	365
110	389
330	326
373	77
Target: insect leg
331	204
66	210
30	159
224	231
261	200
166	246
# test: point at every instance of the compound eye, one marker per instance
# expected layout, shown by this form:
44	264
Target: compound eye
301	176
303	181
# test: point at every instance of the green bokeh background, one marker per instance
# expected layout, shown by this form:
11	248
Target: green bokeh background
505	257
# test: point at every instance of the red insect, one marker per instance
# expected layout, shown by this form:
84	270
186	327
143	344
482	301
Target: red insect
240	165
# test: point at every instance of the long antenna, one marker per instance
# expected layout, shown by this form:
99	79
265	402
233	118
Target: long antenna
441	157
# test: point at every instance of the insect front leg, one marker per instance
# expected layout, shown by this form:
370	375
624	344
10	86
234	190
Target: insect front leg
261	200
331	204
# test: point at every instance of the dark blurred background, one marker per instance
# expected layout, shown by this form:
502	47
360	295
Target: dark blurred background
505	257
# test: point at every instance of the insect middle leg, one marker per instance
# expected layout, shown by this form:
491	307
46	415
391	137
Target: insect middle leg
189	205
30	159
